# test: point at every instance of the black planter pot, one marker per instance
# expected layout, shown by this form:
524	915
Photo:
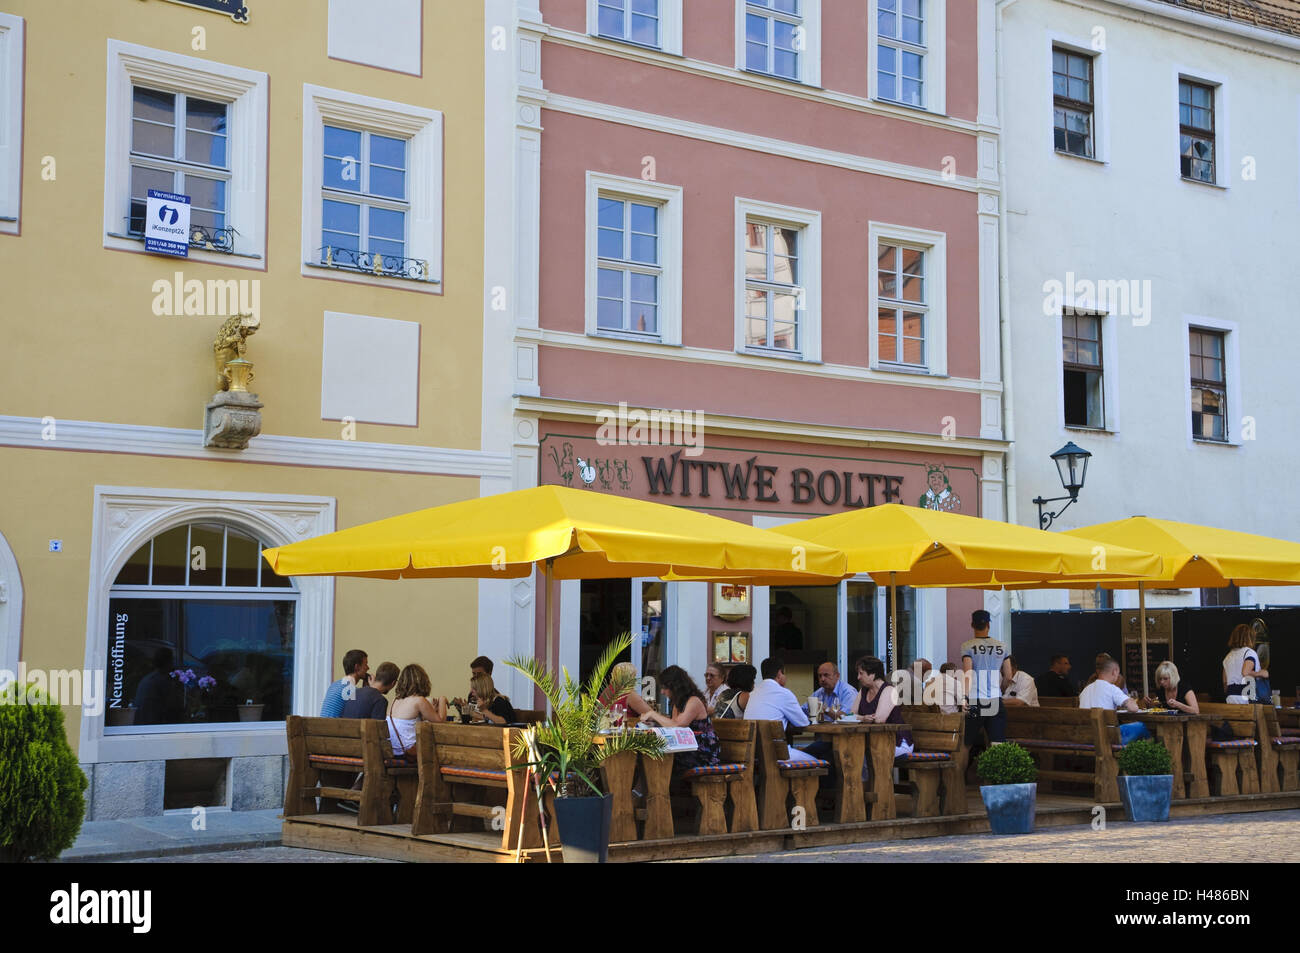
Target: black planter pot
584	828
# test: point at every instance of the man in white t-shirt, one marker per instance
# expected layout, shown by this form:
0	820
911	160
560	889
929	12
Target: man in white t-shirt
1104	693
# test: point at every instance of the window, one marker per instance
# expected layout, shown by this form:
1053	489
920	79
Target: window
627	281
633	21
634	264
1226	596
1081	356
199	626
906	324
1209	386
1196	130
773	298
900	51
901	313
1094	598
364	207
181	143
11	120
773	37
372	190
1072	93
194	127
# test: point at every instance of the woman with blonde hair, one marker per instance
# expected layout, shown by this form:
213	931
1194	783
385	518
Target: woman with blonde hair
1241	663
631	700
1173	693
489	707
411	706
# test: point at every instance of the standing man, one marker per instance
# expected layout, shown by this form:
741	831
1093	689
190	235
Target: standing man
356	664
370	701
986	716
1055	682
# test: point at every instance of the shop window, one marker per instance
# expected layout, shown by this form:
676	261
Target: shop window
201	631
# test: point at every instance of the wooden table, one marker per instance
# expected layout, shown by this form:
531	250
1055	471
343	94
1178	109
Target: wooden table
1173	731
619	772
849	743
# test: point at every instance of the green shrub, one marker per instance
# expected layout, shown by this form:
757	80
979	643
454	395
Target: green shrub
1145	757
41	785
1006	763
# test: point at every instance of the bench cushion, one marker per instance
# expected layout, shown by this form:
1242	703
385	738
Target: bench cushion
480	774
350	762
1064	745
816	763
710	769
1287	741
1234	743
1295	732
927	756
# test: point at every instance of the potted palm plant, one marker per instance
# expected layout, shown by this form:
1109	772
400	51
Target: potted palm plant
1146	781
1009	790
565	749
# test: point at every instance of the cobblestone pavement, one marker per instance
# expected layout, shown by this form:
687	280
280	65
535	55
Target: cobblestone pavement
263	855
1224	838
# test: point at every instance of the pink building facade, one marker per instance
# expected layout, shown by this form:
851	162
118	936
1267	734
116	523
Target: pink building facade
751	267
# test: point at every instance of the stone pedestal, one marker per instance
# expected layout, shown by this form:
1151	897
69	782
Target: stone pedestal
231	419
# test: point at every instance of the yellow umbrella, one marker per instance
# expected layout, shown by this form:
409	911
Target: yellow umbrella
911	546
573	534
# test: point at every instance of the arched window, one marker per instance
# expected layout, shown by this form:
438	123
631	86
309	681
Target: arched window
200	631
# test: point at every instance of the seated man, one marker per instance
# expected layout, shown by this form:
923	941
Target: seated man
370	701
1104	693
772	701
355	666
1055	682
910	682
948	691
480	666
1018	689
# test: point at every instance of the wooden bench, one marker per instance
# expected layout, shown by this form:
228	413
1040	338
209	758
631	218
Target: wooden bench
325	755
937	740
1050	702
469	771
781	779
1277	752
1077	732
1239	754
734	775
530	716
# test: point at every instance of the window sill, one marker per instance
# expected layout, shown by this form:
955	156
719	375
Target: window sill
1071	155
779	78
1208	185
915	370
1206	442
367	277
774	354
202	254
629	336
634	44
902	105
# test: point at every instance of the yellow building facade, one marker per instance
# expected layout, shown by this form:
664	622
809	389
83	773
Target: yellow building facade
332	158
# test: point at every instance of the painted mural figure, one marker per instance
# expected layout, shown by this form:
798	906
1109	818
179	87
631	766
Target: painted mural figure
940	494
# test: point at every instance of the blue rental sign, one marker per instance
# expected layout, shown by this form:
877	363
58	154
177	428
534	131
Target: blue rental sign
237	10
167	223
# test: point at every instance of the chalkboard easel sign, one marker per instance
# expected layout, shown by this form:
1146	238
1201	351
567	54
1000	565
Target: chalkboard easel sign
1157	651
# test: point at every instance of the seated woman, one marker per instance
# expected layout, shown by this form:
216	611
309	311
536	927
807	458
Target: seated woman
688	710
490	706
1172	693
618	703
878	702
734	698
411	706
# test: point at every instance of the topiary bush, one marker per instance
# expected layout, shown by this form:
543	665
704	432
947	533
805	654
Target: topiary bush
42	800
1007	763
1145	758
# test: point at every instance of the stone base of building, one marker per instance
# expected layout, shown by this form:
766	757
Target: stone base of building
121	789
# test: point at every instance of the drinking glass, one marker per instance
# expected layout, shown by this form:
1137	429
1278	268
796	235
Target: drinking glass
836	710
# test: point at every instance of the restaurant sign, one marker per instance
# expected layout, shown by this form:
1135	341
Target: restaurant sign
237	10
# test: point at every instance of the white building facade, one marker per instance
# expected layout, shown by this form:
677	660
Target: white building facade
1151	174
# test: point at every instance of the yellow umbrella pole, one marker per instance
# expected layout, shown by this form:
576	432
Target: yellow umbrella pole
551	648
893	623
1142	614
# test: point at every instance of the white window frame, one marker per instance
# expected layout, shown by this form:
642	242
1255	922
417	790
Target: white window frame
245	91
670	27
1110	402
935	69
809	224
1231	371
1100	97
810	57
1222	127
935	245
422	128
669	199
12	54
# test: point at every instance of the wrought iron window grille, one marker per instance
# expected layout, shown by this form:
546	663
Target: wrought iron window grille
370	263
201	236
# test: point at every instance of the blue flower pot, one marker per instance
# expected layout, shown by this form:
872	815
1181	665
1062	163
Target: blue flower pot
584	827
1146	797
1010	807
